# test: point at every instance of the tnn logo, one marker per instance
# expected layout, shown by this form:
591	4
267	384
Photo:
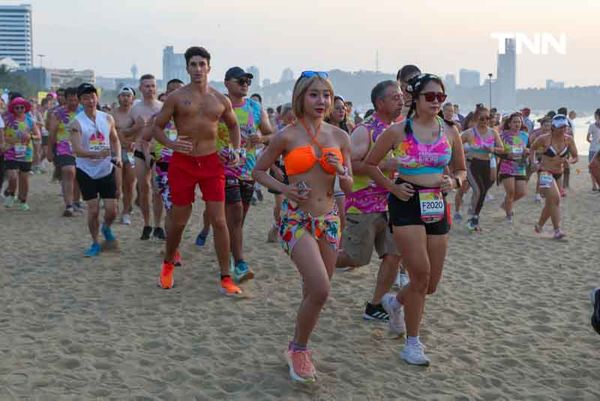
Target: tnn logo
538	45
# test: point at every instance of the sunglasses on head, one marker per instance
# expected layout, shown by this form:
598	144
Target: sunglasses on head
431	96
244	81
310	74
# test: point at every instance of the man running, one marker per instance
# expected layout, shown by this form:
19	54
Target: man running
125	177
142	114
59	119
239	185
197	109
366	206
94	137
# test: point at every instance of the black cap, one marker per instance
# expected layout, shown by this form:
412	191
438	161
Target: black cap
236	73
85	89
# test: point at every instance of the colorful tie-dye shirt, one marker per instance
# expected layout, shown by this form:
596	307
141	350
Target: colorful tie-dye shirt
161	153
516	144
366	196
64	118
22	151
249	118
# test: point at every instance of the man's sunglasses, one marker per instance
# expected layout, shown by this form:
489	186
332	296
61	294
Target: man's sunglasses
310	74
244	81
431	96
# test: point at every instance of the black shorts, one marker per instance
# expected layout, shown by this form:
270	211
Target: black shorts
516	177
140	155
64	160
23	167
408	213
44	140
90	188
237	190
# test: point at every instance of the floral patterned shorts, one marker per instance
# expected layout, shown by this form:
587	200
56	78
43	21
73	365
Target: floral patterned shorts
296	222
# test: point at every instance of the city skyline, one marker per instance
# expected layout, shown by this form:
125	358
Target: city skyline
273	35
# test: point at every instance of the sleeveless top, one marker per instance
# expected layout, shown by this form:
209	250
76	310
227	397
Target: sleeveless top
95	136
514	143
14	129
63	139
366	196
479	142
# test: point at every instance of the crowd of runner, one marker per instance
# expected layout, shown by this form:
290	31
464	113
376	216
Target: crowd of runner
343	185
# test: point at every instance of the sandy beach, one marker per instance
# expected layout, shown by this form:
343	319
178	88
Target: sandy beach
510	320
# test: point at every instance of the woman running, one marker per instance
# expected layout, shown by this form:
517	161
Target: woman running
593	137
512	170
545	128
556	148
460	192
483	142
314	153
419	215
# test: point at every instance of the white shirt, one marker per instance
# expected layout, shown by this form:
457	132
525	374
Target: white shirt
95	136
594	131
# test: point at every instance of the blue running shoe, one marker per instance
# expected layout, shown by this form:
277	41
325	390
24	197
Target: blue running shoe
242	272
201	238
93	250
107	233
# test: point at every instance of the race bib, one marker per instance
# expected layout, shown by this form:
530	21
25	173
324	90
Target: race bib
20	151
432	205
97	146
546	180
517	150
131	158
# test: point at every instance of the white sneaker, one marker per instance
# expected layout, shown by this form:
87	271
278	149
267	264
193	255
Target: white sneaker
402	279
396	321
415	355
126	219
538	198
9	201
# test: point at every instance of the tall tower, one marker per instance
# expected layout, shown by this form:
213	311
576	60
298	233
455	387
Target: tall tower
16	34
506	81
134	71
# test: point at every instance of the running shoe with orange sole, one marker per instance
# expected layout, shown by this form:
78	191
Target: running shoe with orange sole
166	280
301	367
228	287
177	258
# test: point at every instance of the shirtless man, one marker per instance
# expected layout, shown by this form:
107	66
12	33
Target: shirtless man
125	176
197	109
142	114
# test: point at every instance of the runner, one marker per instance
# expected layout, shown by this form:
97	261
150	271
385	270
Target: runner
512	170
593	138
197	109
59	121
239	185
468	123
18	134
93	138
2	149
314	152
556	148
545	128
405	74
419	215
483	142
142	114
366	206
125	176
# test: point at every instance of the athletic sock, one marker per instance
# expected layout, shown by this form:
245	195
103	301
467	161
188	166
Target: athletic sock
413	340
225	275
294	347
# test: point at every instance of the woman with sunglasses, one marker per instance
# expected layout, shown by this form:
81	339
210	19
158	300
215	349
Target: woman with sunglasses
426	149
512	169
18	137
556	148
314	154
483	142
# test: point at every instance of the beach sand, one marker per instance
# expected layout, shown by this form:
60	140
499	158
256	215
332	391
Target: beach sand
510	320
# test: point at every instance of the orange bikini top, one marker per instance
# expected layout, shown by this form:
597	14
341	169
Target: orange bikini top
301	159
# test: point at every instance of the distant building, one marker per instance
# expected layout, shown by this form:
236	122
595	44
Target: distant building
256	73
266	82
287	75
174	65
15	34
551	84
450	82
469	78
9	64
506	81
121	82
54	78
106	83
134	71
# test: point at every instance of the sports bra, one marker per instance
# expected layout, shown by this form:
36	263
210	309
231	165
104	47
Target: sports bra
301	159
551	152
480	142
416	158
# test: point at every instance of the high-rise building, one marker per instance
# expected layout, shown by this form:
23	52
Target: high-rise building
551	84
256	73
287	75
506	81
15	34
469	78
450	82
174	65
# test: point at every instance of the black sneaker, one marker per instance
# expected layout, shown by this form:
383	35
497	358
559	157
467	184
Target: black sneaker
595	295
375	312
146	233
159	233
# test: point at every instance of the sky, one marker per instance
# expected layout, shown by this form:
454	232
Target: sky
109	36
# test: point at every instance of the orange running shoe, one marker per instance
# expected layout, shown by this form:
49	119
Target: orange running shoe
301	367
166	280
177	258
228	287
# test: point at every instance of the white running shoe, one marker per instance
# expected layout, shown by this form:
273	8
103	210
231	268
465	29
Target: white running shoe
538	198
9	201
126	219
415	355
404	280
396	321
